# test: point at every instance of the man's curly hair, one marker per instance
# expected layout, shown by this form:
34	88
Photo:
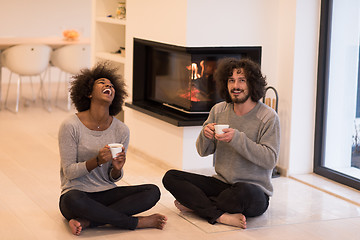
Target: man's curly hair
256	82
83	83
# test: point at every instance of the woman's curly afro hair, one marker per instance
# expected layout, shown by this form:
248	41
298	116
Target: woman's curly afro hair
83	83
256	82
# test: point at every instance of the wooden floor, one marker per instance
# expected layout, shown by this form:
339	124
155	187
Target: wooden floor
30	188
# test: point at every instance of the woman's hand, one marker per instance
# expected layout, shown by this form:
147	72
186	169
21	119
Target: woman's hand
119	161
104	155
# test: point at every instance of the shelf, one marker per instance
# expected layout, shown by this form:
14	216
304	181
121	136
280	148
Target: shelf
111	56
111	20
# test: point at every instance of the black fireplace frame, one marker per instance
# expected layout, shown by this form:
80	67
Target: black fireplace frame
141	103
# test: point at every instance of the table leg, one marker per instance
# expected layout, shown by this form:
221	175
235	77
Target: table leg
0	82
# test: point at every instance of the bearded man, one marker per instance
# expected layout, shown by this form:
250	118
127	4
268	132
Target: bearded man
245	154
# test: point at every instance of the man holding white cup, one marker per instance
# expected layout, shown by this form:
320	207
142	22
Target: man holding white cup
244	135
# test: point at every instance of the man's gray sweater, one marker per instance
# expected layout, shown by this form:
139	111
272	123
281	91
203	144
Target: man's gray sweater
252	153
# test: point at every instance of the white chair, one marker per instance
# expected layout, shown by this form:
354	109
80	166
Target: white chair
25	60
70	60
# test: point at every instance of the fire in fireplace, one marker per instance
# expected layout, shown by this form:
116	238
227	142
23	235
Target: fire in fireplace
180	78
194	92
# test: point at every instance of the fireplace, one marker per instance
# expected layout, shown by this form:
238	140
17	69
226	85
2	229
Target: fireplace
176	83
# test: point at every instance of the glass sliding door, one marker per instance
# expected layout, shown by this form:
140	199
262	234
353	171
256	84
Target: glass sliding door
337	140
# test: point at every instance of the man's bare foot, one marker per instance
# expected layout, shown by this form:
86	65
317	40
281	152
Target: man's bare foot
77	225
153	221
181	207
235	219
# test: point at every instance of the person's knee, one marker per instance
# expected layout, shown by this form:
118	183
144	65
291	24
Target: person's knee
73	199
168	178
254	201
154	193
256	209
68	202
246	190
238	197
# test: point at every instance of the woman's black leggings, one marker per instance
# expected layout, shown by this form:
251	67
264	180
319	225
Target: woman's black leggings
210	197
115	206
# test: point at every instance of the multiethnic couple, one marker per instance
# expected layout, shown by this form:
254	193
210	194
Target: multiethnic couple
245	155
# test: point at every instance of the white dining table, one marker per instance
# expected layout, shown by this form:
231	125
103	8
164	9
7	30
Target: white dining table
53	42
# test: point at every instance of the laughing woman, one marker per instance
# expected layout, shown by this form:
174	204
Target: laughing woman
89	195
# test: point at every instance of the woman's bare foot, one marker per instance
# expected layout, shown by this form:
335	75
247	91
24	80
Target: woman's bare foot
153	221
77	225
181	207
235	219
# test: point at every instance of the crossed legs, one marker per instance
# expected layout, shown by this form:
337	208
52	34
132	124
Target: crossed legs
115	206
215	200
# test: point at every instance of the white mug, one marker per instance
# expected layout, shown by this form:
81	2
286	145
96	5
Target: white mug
115	148
219	128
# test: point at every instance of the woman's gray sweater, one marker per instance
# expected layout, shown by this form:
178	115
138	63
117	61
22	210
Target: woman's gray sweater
77	144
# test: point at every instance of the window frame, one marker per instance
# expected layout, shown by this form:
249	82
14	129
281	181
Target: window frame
322	100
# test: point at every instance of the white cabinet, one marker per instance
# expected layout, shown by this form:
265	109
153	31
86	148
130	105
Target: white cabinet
108	36
108	32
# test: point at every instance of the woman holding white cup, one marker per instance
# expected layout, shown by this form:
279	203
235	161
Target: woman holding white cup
89	196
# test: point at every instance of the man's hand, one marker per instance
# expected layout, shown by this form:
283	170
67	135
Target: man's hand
209	130
227	136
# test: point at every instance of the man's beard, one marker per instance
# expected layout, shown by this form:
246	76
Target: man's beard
239	99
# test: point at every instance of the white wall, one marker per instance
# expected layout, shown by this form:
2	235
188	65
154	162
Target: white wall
300	140
38	18
236	23
283	64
